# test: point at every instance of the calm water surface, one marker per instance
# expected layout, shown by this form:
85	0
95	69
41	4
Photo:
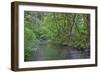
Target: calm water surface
46	51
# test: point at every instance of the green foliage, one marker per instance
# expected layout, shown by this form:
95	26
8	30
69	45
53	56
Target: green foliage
29	39
69	29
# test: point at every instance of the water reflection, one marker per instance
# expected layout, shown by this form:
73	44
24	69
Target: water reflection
47	51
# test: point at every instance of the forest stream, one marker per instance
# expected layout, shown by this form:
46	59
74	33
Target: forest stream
46	51
56	36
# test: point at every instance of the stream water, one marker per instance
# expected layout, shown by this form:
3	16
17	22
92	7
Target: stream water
46	51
